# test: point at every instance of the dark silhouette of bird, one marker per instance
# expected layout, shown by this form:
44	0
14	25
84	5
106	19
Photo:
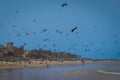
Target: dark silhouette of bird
45	30
116	41
118	53
69	48
1	45
19	34
86	50
9	33
58	49
102	53
13	25
103	42
46	39
34	33
34	20
40	32
38	46
83	45
53	45
72	46
16	11
14	17
54	50
57	31
16	31
60	32
66	34
45	45
26	33
91	43
24	44
94	30
86	45
114	35
72	30
64	4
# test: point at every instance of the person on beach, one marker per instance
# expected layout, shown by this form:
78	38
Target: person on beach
47	65
83	62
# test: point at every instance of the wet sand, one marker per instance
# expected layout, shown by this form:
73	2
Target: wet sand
91	73
110	72
67	70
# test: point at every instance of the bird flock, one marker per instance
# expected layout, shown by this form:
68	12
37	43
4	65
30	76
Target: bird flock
72	30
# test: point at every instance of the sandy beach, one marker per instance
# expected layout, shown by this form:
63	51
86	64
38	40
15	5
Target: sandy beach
4	64
33	63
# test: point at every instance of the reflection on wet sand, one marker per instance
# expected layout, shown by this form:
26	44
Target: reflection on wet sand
111	72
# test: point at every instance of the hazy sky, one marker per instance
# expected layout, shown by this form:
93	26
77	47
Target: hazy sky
45	24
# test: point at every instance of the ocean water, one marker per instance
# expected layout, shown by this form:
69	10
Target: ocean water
56	72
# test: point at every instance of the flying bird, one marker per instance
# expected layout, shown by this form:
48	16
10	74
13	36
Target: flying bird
83	45
91	43
66	34
57	31
86	50
16	11
45	45
14	17
34	33
86	45
54	50
19	34
26	33
115	41
118	53
45	30
72	30
13	25
114	35
34	20
38	45
9	33
102	53
53	45
24	44
60	32
64	4
103	42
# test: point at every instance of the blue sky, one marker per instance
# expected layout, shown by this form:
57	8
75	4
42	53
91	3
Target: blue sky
97	22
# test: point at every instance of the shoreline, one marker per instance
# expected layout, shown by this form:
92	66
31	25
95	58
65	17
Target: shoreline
4	64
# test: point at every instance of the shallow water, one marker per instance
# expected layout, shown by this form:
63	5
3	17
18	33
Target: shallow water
54	72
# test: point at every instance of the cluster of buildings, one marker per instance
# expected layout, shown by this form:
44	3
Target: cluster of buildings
10	50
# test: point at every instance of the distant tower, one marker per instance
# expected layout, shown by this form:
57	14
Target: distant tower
9	46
